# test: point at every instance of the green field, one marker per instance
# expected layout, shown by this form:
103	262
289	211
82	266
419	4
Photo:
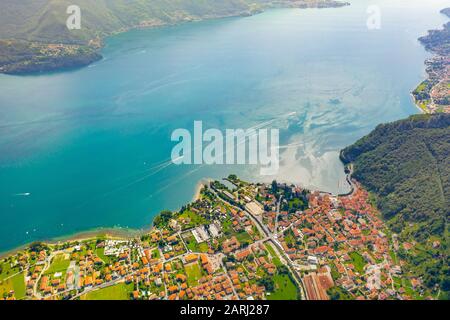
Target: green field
276	261
289	238
194	219
194	246
203	247
422	87
16	283
406	284
358	261
285	289
339	293
59	264
243	237
100	252
119	291
296	204
7	271
194	273
156	254
334	272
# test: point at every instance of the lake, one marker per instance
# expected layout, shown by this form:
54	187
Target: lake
91	148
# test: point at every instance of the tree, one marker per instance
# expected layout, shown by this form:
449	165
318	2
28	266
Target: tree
445	285
268	283
37	246
274	186
163	218
283	270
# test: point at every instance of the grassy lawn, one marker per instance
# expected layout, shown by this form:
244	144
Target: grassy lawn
296	204
339	293
100	252
358	261
393	256
196	247
16	283
226	226
406	284
194	219
422	87
59	264
7	271
191	244
156	254
289	237
119	291
334	272
276	261
203	247
194	273
243	237
285	289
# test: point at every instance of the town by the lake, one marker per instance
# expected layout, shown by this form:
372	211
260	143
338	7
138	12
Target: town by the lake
237	241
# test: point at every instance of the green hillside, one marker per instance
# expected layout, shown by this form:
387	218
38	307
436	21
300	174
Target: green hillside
44	20
27	26
406	165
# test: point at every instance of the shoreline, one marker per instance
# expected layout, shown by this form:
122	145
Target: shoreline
113	233
109	232
198	190
416	104
199	187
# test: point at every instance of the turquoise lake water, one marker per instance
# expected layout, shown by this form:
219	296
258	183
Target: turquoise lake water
86	149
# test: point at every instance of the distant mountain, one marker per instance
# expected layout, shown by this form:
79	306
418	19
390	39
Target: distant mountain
45	20
26	26
406	165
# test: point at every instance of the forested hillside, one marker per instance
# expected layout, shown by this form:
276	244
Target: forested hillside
45	20
438	41
29	25
406	165
30	29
